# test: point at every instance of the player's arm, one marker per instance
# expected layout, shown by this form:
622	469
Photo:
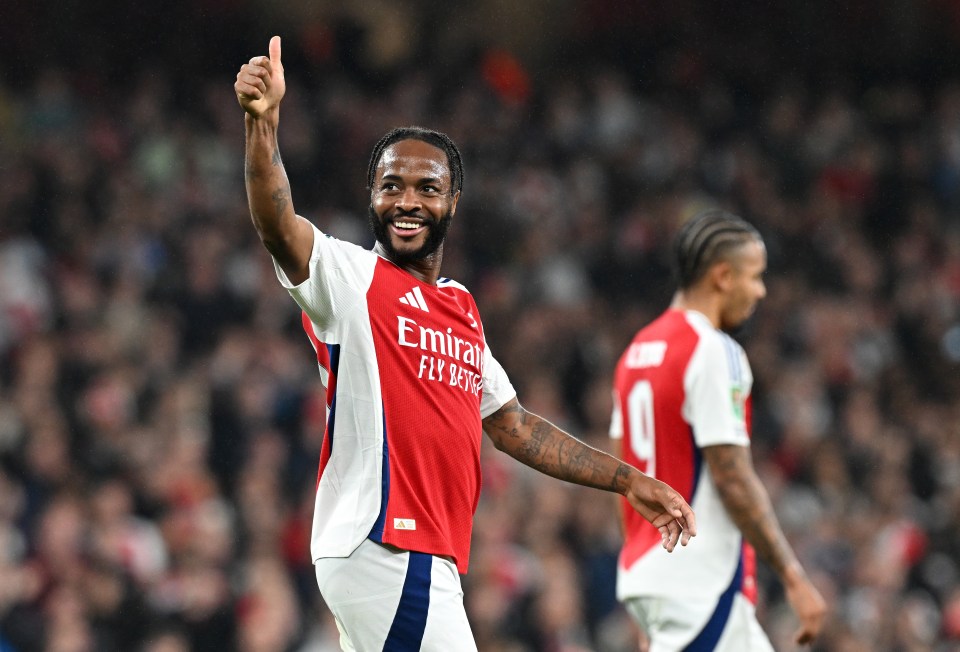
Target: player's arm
541	445
260	87
749	506
616	449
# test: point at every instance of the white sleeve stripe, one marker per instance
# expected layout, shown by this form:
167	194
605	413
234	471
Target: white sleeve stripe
708	404
733	357
616	418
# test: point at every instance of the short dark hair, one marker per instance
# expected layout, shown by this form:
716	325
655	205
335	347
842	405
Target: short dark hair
707	238
437	139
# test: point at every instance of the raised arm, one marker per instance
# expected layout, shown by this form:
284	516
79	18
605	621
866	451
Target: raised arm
749	506
260	87
541	445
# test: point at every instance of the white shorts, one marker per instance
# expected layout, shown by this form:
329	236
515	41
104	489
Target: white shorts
388	599
727	625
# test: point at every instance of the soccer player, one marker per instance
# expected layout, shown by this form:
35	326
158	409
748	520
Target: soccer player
411	386
682	414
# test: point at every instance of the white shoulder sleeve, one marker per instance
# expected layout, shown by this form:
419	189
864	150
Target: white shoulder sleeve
616	419
497	388
340	274
717	383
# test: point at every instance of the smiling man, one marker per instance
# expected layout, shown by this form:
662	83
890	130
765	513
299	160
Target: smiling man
411	387
414	233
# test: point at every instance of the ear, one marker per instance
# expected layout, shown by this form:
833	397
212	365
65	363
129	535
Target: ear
722	275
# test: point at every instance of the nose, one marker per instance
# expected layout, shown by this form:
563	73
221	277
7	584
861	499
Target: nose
409	201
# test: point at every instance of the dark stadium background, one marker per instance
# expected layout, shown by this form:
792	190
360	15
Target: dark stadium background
160	414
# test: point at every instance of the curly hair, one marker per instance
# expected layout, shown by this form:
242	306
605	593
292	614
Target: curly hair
430	136
708	237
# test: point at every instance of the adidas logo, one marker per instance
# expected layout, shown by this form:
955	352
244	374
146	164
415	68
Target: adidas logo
415	298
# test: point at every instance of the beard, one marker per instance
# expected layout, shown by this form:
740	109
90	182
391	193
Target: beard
436	232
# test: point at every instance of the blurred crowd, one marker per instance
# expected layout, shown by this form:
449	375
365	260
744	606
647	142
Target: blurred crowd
160	409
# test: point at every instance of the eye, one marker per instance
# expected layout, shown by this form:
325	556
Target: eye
389	186
430	189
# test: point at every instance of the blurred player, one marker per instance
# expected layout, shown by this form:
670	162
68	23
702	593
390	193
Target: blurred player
682	414
411	386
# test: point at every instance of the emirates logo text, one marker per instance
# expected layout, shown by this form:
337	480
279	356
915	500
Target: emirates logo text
446	358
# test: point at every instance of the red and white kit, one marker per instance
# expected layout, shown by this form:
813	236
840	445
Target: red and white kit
409	377
680	386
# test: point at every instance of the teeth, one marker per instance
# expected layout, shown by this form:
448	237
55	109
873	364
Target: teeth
406	225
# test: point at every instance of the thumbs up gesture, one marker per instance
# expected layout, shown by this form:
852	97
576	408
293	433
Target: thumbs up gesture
260	85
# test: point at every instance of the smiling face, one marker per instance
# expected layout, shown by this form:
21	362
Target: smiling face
411	203
742	283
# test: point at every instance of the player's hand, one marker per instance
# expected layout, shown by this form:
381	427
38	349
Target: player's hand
809	606
664	508
260	84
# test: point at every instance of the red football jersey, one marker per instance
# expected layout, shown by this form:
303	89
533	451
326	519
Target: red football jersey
409	377
680	386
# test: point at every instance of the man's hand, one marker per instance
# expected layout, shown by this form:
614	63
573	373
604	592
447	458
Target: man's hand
664	508
809	606
260	85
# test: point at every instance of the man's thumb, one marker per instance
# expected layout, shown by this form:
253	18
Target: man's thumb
275	50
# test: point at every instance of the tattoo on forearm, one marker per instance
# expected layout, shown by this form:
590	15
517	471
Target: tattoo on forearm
621	476
577	462
249	170
281	198
541	445
532	449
